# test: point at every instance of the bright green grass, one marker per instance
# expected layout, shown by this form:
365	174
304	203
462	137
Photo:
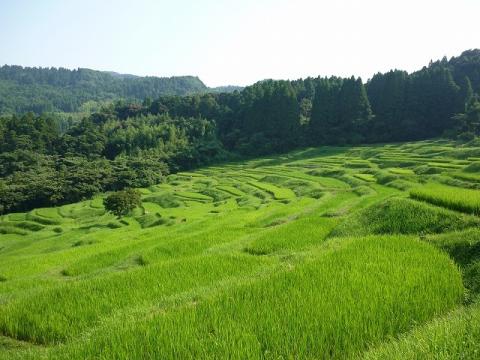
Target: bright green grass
192	196
50	314
231	190
403	216
366	177
277	192
464	248
401	171
190	174
298	312
295	256
455	336
475	177
466	200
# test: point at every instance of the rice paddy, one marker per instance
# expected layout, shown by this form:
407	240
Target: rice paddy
326	253
466	200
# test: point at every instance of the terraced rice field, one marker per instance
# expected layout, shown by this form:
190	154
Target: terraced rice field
328	253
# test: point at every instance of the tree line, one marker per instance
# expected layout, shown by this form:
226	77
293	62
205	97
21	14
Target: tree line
42	166
24	89
273	116
46	160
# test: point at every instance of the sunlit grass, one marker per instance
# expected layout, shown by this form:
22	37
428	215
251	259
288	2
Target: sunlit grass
297	256
466	200
300	312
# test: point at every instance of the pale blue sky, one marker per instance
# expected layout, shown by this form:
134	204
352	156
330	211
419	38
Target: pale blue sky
236	42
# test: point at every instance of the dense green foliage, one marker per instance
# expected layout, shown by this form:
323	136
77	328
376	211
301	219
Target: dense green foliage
42	166
122	202
318	253
54	159
47	90
272	116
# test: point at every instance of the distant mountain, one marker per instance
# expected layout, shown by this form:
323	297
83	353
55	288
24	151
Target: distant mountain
25	89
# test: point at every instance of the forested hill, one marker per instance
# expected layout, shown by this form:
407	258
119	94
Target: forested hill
24	89
53	159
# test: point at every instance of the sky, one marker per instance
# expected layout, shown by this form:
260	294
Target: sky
237	42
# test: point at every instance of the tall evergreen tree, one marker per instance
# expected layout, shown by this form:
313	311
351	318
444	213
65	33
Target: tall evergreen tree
354	111
465	93
386	93
322	128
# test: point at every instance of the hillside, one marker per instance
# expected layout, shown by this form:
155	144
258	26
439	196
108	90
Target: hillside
443	83
262	259
25	89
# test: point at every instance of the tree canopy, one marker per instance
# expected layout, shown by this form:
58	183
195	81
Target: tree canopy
122	202
50	159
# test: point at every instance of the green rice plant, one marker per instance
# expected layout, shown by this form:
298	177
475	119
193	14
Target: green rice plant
56	314
428	170
294	234
385	177
152	219
95	226
475	177
465	200
16	216
151	207
277	192
447	165
313	193
352	180
395	162
80	211
216	195
49	213
366	177
5	228
363	190
298	312
164	200
401	171
192	196
142	191
454	336
97	203
402	216
474	167
336	172
28	225
231	190
401	184
274	179
190	174
285	269
464	248
36	217
357	164
57	229
455	182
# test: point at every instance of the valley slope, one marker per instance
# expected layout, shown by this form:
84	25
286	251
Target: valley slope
331	252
